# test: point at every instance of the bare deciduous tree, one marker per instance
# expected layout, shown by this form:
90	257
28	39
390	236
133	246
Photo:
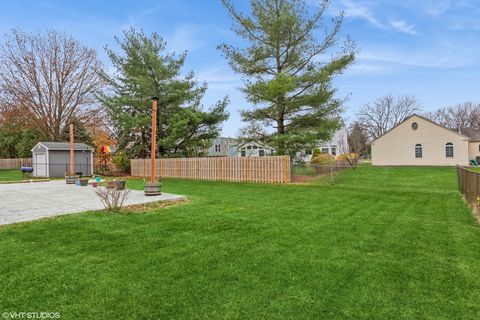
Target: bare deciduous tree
459	116
384	113
48	79
253	131
353	144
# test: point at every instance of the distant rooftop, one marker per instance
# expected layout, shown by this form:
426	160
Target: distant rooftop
471	132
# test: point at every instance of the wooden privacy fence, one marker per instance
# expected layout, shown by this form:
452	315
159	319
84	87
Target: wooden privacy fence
274	169
16	163
469	184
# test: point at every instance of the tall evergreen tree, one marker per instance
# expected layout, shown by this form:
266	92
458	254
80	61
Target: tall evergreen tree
143	70
288	72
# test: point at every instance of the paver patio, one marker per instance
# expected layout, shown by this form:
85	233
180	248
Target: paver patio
30	201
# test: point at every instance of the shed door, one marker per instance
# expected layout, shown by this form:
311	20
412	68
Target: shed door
40	168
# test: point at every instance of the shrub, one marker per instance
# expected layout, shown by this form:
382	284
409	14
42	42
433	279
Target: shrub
112	199
323	159
344	156
122	161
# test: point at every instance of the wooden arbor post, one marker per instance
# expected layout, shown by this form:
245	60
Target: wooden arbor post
70	178
152	188
72	152
154	137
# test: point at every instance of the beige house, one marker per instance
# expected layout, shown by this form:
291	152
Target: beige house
417	141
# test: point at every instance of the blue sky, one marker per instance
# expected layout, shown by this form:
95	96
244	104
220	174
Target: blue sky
430	49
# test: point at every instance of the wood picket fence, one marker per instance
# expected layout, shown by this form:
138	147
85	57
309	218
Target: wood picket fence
16	163
271	169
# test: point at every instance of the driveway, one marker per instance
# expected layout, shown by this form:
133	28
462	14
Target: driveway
30	201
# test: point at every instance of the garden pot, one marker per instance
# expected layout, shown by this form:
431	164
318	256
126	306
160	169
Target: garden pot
94	184
116	184
120	185
83	182
71	179
152	189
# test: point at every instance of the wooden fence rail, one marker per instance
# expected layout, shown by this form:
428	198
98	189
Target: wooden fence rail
469	184
15	163
274	169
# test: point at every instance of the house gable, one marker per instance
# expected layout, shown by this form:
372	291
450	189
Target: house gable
414	117
397	146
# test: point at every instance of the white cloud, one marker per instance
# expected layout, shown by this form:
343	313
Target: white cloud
355	10
434	57
219	77
185	37
437	7
403	26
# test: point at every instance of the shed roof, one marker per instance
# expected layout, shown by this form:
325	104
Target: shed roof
65	146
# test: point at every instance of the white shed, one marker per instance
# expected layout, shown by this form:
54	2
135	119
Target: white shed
52	159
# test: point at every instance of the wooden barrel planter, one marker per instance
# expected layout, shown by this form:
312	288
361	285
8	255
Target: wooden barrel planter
152	189
71	179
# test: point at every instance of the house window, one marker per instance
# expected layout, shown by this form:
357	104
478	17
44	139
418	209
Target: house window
449	150
261	152
479	148
217	148
249	147
308	152
324	150
334	151
243	153
418	151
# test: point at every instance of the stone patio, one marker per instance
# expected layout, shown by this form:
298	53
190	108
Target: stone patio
31	201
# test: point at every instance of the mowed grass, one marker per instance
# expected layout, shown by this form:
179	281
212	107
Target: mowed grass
10	175
380	243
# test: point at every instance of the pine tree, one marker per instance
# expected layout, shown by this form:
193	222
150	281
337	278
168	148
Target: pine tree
143	70
288	72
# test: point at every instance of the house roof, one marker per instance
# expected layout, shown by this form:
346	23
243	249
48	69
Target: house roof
472	132
257	143
64	146
225	139
423	118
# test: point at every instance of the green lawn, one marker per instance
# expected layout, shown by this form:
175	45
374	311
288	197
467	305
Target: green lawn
10	175
381	243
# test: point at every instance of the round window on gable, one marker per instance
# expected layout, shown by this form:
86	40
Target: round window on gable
414	126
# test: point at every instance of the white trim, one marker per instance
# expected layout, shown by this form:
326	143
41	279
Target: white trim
48	163
39	143
91	163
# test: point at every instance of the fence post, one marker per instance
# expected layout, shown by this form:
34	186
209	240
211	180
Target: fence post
459	179
475	195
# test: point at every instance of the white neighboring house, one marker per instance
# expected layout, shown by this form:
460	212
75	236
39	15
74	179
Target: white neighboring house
223	147
255	149
336	146
230	147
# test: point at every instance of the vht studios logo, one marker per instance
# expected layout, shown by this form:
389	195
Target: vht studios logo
31	315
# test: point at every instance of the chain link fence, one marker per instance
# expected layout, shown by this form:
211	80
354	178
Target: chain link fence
303	173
